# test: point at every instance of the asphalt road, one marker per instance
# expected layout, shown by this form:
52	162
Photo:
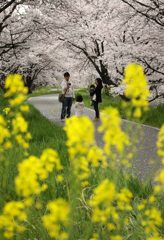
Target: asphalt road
145	149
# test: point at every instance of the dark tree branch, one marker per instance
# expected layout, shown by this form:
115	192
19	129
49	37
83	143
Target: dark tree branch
157	96
102	71
144	61
144	10
7	5
12	42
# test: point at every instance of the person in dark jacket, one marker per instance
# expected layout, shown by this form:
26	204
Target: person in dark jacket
92	89
98	98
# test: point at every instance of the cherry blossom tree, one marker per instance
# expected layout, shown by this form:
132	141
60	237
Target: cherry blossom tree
26	44
44	38
22	45
151	55
106	36
86	29
150	9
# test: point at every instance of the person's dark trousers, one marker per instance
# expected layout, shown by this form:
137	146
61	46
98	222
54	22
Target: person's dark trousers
66	107
96	108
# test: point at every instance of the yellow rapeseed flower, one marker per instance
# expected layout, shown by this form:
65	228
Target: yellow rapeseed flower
136	88
113	136
12	217
24	108
50	160
117	237
107	204
4	134
59	178
2	121
57	218
19	124
160	150
33	169
7	145
14	84
6	110
84	184
150	219
17	100
82	148
154	238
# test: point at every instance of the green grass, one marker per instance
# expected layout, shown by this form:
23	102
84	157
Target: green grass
107	101
3	102
154	117
46	134
43	91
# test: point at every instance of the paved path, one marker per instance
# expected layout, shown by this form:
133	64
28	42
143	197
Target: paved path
146	149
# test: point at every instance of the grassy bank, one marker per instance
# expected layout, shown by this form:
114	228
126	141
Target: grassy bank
154	117
46	134
44	91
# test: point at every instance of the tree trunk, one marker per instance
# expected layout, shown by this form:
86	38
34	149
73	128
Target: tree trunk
106	79
105	76
102	69
29	83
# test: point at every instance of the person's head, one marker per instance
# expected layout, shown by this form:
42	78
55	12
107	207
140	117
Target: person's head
92	86
99	82
79	98
67	76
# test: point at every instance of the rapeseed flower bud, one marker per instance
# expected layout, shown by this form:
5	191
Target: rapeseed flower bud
6	110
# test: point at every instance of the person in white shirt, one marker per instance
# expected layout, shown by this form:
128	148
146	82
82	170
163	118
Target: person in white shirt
68	91
79	105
